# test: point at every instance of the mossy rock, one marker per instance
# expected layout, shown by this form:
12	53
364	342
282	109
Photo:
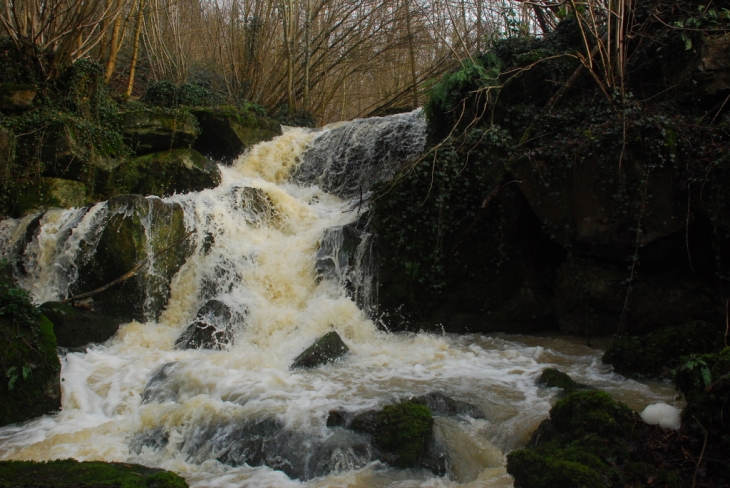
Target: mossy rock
554	378
591	412
326	349
69	473
17	97
51	192
225	132
29	366
532	470
149	131
134	229
401	431
657	353
74	327
212	328
164	173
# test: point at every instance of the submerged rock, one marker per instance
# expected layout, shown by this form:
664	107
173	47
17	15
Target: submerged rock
69	473
212	328
160	388
325	350
226	132
148	131
164	173
442	405
76	328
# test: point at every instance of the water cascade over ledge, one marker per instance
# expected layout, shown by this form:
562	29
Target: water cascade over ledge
275	257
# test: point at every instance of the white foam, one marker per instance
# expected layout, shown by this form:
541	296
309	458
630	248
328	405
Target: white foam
663	415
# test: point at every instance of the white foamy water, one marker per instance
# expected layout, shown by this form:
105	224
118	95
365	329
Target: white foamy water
255	239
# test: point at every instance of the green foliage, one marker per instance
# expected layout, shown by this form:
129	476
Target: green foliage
167	94
69	473
657	353
704	380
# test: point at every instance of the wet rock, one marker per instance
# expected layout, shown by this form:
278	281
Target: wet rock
160	388
267	442
253	203
326	349
226	132
402	433
336	254
442	405
51	192
149	131
74	327
212	328
164	173
15	97
135	228
69	473
155	439
553	378
591	296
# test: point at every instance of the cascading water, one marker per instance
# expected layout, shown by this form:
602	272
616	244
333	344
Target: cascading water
274	264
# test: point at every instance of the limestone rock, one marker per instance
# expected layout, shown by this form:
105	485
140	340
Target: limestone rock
135	228
76	328
148	131
164	173
212	327
226	132
14	97
325	350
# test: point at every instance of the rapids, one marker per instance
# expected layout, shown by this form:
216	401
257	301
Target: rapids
137	399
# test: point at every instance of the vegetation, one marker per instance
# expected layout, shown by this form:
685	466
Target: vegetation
73	474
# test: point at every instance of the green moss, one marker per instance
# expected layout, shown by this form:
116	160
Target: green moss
533	470
553	378
591	412
73	474
655	354
402	431
29	365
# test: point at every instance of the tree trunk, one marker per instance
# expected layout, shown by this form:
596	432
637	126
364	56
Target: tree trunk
135	50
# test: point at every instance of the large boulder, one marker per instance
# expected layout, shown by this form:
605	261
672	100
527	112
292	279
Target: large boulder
164	173
326	349
29	366
225	132
212	328
707	78
75	327
135	229
51	192
148	131
14	97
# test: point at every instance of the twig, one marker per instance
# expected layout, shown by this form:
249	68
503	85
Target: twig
128	274
704	445
727	320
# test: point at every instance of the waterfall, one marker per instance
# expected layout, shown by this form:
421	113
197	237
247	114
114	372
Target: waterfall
198	379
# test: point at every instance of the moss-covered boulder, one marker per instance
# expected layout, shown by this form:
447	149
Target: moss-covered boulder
75	327
589	441
656	354
225	132
164	173
553	378
212	328
69	473
51	192
149	131
17	96
29	366
135	228
402	432
326	349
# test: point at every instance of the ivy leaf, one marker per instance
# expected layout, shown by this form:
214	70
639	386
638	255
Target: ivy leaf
706	376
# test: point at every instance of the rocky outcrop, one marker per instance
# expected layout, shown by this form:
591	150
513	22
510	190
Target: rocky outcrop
149	131
326	349
225	132
29	367
164	173
15	97
51	192
135	229
212	328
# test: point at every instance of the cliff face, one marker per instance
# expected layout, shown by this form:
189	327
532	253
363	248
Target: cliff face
552	199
